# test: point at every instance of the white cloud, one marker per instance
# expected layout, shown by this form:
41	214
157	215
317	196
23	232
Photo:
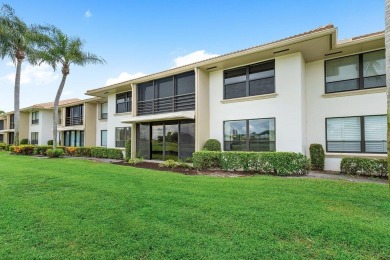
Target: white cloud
37	75
193	57
87	14
10	64
123	77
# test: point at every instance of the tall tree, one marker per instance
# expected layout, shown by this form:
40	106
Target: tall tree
387	46
17	40
62	50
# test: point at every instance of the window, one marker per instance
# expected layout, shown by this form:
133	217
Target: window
103	110
12	122
11	138
103	138
121	135
34	137
362	71
35	117
257	79
74	138
1	138
74	115
1	124
359	134
250	135
170	94
123	102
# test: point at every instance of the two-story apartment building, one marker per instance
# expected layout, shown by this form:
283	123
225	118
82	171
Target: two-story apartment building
7	127
279	96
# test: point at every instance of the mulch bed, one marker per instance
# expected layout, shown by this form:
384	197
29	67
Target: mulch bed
186	171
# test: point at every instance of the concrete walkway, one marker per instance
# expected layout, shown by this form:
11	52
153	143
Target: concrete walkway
338	176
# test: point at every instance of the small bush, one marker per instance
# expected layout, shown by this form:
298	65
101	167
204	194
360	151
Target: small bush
54	153
212	145
317	157
168	164
185	165
135	161
3	146
41	149
279	163
50	142
128	149
364	166
78	151
22	149
24	141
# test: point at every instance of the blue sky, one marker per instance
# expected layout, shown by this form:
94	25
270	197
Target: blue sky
142	37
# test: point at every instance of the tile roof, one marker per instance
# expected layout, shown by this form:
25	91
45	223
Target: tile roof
367	35
49	105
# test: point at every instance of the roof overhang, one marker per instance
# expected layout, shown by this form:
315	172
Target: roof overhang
161	117
71	128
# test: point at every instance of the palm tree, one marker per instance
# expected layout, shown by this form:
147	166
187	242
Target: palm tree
387	46
17	40
62	50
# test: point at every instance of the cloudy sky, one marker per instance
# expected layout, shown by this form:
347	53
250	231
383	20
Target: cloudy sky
145	36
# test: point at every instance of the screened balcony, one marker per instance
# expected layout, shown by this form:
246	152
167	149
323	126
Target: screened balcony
74	115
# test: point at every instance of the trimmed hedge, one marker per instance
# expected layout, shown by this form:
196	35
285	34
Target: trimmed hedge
364	166
109	153
23	141
42	149
78	151
50	142
279	163
317	157
212	145
4	146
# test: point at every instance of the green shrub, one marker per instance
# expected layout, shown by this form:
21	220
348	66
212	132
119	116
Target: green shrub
50	142
3	146
364	166
78	151
135	161
41	149
185	165
279	163
212	145
109	153
54	153
168	164
128	149
317	157
22	149
206	160
24	141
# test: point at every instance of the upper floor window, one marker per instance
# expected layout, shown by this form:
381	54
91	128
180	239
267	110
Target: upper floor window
103	110
249	135
170	94
362	71
74	115
35	117
123	102
257	79
1	124
357	134
12	122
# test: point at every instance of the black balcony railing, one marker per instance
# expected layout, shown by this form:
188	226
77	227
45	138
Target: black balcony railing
168	104
70	121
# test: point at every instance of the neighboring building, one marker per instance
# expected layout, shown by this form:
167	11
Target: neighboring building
280	96
36	123
81	122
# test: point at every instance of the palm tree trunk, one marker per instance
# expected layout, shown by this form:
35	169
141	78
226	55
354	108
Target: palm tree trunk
55	112
387	46
17	101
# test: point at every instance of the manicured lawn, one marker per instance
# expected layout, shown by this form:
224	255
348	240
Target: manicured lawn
68	208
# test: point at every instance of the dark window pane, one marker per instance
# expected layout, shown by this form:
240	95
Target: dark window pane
374	63
262	67
164	87
171	141
342	68
262	86
235	135
262	134
374	82
235	76
123	102
145	91
157	142
187	139
185	83
235	90
342	85
143	141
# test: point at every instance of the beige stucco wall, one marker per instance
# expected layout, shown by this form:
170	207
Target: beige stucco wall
202	108
89	124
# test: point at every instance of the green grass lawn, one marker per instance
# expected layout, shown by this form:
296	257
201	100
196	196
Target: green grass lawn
68	208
